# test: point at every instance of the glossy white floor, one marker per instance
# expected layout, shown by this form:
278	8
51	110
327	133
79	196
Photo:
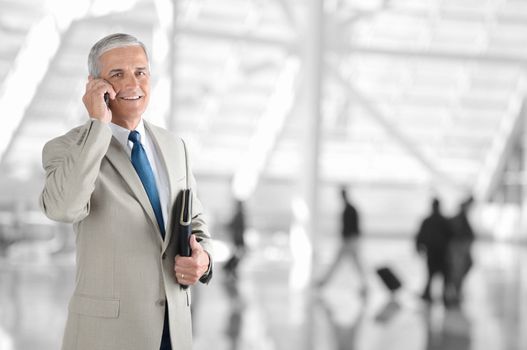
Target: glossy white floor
262	311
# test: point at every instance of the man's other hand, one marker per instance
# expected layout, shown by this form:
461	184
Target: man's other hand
190	269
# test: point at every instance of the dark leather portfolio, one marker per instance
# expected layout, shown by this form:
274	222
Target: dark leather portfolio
182	223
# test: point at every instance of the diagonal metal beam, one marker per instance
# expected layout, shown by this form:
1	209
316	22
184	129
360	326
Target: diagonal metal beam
289	12
269	128
22	81
392	130
503	144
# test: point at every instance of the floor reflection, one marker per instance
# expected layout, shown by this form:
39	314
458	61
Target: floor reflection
258	309
447	329
233	326
344	332
388	311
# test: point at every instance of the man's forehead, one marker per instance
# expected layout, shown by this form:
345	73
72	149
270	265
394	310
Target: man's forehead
132	51
124	57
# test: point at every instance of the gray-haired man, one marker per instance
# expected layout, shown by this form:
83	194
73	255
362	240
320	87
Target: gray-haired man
116	179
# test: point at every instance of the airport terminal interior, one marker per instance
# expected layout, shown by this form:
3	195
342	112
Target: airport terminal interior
284	103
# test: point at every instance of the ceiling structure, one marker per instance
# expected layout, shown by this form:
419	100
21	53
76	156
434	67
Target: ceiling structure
427	92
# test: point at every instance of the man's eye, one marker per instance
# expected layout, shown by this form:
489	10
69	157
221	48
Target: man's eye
117	75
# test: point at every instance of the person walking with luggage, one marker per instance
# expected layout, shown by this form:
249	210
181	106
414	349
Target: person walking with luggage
432	241
350	234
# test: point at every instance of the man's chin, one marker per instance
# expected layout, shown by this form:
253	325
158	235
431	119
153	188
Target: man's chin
127	120
128	114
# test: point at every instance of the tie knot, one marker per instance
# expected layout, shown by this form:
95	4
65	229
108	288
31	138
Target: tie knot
134	136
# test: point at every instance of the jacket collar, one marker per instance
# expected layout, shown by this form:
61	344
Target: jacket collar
173	159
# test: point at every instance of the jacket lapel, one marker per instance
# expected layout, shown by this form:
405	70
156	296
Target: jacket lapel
170	152
118	157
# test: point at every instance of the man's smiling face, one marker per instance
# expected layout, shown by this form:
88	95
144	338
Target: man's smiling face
127	70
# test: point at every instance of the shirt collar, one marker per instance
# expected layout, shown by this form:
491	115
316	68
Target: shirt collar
121	134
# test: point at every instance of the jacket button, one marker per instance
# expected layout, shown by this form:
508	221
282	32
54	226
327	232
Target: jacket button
164	256
160	302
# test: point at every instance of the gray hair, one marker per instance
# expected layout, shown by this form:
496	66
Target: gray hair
107	43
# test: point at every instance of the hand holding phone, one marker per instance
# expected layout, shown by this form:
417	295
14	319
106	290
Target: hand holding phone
97	97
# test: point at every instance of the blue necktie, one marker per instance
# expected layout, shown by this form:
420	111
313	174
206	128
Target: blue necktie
144	170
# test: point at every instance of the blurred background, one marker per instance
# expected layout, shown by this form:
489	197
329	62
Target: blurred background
283	103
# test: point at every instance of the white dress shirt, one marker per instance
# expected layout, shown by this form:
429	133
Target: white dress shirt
160	173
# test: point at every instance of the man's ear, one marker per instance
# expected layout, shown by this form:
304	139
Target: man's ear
90	77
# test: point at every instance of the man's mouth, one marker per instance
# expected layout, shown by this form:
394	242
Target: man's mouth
131	98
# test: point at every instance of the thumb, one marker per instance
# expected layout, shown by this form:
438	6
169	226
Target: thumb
194	245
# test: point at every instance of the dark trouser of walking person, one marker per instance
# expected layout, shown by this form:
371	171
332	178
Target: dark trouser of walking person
459	264
350	248
436	266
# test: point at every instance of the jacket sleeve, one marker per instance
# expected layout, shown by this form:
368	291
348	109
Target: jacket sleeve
72	163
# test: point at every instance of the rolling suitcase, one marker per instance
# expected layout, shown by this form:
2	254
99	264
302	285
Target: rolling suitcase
388	277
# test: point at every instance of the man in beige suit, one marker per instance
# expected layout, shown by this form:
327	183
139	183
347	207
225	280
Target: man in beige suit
128	289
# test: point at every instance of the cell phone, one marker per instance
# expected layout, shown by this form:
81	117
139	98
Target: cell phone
107	99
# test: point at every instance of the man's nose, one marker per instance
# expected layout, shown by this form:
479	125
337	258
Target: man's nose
131	81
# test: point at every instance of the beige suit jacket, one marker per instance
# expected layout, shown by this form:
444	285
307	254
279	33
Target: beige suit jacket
124	267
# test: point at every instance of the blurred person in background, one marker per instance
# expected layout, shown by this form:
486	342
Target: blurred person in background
432	241
236	227
350	234
116	178
459	252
